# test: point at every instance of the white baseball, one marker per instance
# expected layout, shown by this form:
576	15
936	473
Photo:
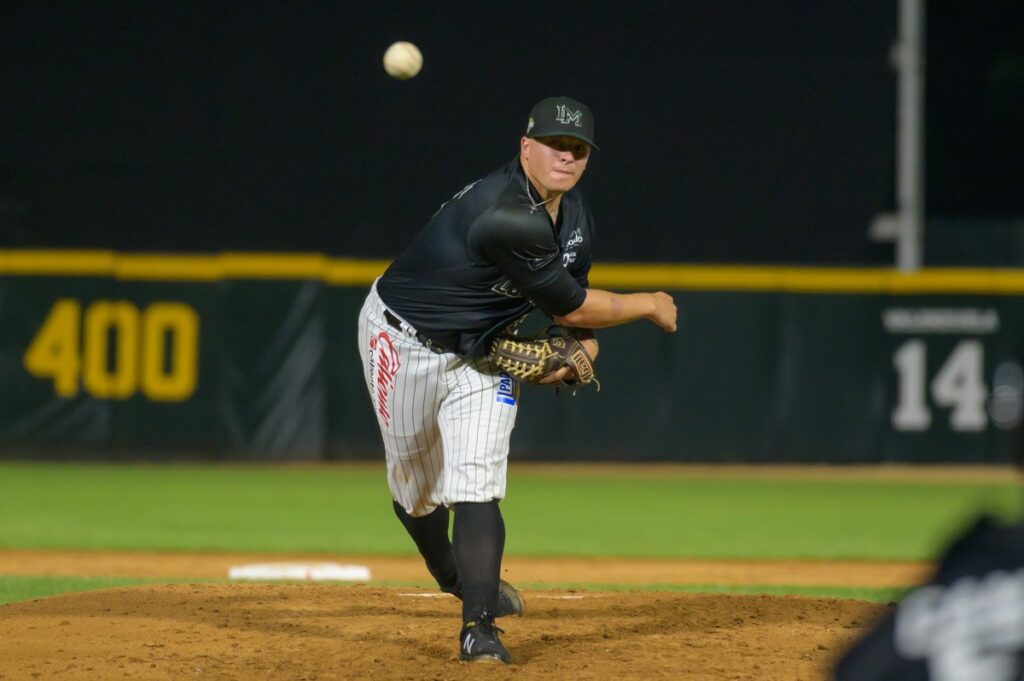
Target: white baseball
403	60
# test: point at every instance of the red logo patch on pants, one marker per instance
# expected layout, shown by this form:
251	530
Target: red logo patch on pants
384	366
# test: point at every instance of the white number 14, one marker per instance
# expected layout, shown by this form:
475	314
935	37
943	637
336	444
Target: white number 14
958	384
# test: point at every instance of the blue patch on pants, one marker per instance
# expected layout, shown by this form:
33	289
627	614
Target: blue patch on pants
506	390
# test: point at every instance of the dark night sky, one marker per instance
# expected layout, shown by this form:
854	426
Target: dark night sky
975	109
729	131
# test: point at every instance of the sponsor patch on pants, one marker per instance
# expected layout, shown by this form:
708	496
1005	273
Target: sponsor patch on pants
506	390
384	366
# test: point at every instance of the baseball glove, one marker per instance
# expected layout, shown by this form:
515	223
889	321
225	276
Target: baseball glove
531	360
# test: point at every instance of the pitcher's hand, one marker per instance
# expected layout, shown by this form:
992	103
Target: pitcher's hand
664	313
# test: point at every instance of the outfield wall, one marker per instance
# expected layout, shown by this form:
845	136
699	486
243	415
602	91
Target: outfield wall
254	356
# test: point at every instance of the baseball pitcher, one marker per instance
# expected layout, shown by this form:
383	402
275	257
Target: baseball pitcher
443	365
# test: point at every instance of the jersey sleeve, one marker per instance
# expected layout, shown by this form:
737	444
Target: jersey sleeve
522	246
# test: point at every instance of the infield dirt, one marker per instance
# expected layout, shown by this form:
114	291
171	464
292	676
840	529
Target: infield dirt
317	631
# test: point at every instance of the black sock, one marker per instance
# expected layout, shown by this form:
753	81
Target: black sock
430	533
478	540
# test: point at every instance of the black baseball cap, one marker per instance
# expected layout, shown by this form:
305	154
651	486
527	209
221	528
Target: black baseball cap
561	116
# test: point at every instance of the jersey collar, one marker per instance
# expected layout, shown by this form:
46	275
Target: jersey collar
534	196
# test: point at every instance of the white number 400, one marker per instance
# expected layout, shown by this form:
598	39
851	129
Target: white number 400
959	384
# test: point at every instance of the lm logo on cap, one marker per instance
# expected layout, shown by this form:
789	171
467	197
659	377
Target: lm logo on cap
565	116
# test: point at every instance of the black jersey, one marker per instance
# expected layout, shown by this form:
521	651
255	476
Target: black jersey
486	259
967	624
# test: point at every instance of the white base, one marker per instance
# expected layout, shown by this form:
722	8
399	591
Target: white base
314	572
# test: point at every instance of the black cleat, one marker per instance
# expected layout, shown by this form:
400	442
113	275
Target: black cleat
479	642
510	601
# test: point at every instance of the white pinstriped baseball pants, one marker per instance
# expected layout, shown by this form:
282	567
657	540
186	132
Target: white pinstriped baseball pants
445	421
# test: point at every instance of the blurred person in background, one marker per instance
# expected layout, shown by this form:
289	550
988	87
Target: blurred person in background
965	624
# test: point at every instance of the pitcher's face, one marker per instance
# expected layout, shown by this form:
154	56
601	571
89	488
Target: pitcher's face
554	164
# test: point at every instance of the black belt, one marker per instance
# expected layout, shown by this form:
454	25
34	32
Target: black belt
396	323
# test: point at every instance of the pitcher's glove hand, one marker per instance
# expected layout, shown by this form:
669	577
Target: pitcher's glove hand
531	360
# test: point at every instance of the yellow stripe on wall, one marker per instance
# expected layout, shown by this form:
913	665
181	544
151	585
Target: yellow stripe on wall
149	267
352	272
72	263
273	265
809	279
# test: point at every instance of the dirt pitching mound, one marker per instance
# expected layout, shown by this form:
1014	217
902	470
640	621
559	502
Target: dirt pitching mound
300	631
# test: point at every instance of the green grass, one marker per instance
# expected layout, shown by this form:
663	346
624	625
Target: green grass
556	512
197	507
743	518
346	509
22	588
